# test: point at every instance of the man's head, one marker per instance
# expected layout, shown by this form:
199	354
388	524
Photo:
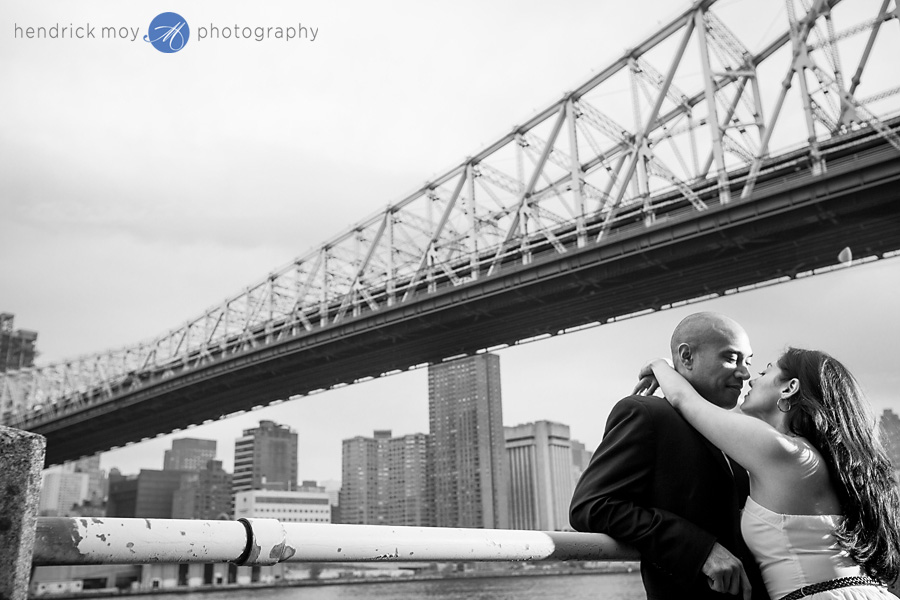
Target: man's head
713	353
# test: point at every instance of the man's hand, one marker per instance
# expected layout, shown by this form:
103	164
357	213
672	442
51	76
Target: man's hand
726	573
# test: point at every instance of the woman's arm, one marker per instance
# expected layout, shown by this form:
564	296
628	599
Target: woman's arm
753	443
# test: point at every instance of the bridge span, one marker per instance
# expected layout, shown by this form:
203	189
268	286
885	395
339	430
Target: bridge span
568	221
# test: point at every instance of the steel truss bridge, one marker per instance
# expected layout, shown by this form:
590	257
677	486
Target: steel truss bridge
602	206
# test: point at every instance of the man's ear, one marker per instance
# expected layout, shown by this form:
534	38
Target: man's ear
684	355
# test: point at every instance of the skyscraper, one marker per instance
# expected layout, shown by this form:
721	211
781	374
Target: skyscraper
540	475
17	349
468	462
205	494
189	454
148	495
333	489
265	458
580	460
360	474
98	484
384	480
62	493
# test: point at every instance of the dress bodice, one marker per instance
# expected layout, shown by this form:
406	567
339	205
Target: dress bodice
794	550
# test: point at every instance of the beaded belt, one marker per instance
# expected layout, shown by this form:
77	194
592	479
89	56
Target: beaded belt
809	590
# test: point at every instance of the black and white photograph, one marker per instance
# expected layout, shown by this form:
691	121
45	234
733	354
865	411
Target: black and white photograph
461	300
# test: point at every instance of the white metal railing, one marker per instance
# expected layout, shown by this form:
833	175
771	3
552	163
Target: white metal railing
74	541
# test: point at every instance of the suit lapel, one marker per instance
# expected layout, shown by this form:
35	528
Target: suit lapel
736	473
741	481
718	456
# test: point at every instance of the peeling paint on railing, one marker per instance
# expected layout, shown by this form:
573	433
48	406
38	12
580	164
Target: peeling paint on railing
73	541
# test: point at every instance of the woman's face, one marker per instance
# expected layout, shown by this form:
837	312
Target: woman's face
764	393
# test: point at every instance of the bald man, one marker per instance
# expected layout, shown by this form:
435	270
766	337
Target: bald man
656	484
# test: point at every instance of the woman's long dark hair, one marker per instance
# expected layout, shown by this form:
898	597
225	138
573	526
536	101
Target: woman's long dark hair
829	410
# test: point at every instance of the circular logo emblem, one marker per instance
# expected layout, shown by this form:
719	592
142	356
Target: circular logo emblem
168	32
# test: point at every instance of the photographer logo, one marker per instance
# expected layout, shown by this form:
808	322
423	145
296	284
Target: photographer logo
168	32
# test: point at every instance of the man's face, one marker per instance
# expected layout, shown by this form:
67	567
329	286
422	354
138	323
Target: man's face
721	366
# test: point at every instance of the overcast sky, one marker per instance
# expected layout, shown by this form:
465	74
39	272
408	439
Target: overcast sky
139	188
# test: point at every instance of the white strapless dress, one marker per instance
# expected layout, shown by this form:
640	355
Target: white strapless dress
798	550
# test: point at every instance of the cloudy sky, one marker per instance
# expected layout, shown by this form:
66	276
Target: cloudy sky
139	188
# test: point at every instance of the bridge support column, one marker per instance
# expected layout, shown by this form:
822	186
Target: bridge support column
20	490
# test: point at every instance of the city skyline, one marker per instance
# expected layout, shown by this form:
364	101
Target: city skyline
379	484
887	413
163	200
218	458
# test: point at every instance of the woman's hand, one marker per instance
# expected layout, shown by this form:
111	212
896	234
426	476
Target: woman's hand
647	383
645	386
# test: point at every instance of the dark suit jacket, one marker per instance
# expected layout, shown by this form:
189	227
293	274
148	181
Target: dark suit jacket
656	484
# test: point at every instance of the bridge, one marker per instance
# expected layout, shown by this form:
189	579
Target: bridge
725	169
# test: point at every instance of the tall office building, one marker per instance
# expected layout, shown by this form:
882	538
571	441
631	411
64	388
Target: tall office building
98	484
204	494
540	475
468	461
581	457
265	458
360	474
333	489
62	493
384	480
17	346
148	495
189	454
408	500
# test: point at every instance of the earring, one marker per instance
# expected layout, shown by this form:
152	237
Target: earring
781	407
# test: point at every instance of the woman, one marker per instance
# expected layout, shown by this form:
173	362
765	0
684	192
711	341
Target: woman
823	517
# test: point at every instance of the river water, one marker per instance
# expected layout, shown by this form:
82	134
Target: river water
606	586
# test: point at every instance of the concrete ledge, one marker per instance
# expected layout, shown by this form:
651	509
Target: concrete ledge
20	493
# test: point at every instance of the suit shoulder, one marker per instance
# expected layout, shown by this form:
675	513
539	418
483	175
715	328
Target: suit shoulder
651	407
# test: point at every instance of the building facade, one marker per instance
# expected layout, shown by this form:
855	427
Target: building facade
540	476
148	495
189	454
17	346
308	504
333	489
97	481
205	494
384	480
581	458
467	478
265	458
359	478
62	493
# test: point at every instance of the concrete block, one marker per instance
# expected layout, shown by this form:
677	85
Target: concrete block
21	463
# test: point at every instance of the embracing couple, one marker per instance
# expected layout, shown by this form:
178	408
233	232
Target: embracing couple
672	476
